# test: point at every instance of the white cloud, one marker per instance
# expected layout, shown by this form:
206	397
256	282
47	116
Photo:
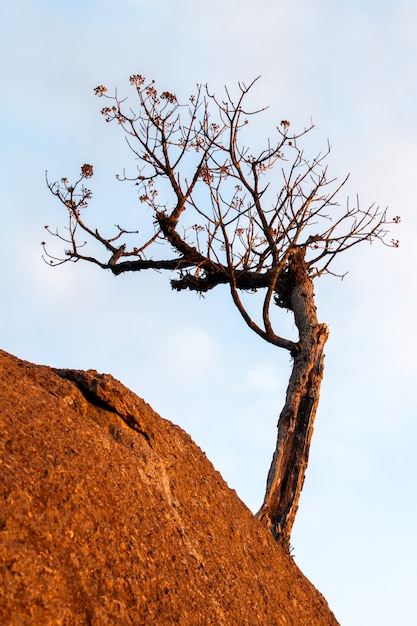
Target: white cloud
265	378
192	355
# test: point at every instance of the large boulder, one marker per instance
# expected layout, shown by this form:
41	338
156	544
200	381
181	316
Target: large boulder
110	514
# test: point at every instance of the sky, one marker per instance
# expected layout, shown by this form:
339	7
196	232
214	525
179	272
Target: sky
350	68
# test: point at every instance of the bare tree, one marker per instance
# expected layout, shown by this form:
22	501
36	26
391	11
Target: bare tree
223	220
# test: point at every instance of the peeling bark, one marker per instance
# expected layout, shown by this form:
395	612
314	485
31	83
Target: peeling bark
295	426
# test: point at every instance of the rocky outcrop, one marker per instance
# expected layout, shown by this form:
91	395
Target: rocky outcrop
110	514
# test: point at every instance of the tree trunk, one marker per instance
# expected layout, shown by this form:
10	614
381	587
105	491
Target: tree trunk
295	426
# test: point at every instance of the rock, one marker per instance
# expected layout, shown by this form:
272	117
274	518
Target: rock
110	514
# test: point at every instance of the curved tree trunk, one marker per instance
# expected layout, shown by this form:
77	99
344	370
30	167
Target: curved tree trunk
295	426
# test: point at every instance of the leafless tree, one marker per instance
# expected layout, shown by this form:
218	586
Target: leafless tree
267	223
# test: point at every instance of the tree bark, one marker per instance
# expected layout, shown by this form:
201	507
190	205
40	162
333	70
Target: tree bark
295	426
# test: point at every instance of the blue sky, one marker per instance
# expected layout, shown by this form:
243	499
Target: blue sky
351	68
